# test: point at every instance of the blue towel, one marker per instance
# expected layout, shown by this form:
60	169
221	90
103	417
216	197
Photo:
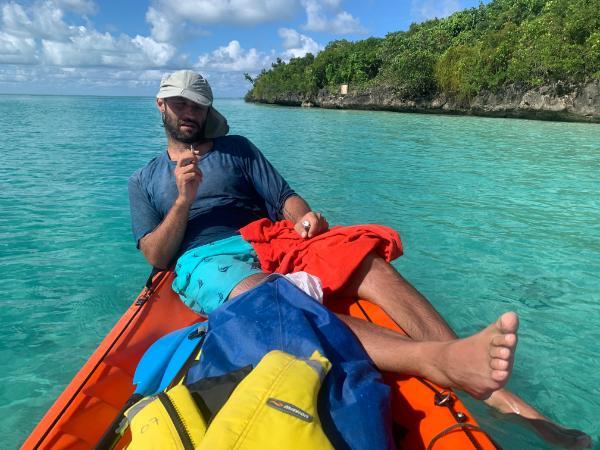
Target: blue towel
354	404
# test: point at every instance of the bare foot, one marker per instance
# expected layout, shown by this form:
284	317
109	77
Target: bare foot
518	410
479	364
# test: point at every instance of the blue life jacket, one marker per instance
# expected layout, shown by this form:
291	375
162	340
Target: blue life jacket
353	404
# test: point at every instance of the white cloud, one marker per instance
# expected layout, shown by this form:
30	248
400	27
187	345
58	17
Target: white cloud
78	6
296	44
91	48
247	12
17	50
157	53
14	74
233	58
430	9
15	20
62	44
161	26
86	80
344	23
45	21
318	19
170	19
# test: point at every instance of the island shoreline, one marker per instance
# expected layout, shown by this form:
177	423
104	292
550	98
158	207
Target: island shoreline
563	102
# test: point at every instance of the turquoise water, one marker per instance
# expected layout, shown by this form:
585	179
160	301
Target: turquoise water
495	215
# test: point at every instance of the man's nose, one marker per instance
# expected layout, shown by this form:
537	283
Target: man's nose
190	108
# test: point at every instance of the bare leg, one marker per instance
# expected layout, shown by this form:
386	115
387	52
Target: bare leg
379	282
246	284
479	364
519	411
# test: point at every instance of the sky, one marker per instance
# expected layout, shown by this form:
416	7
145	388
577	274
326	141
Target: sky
123	47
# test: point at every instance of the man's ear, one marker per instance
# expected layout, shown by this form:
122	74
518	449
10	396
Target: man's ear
160	104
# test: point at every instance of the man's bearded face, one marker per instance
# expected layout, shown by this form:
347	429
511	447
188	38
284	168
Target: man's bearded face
184	124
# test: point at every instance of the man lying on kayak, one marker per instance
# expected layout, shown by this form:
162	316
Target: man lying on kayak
189	203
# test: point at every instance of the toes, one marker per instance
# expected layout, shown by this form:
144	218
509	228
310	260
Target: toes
500	376
510	340
508	322
505	340
498	340
500	364
502	353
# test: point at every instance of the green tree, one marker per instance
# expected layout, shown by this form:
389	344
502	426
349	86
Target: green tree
528	42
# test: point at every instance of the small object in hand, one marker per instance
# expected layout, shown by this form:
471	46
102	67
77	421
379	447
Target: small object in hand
306	225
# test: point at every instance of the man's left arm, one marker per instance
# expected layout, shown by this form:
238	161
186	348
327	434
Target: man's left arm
307	223
279	197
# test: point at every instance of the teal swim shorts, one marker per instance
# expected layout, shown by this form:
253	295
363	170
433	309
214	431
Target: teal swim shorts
206	275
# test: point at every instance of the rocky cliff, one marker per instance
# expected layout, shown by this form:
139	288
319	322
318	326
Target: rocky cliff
559	101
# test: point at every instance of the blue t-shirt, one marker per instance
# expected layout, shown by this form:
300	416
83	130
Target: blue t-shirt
238	186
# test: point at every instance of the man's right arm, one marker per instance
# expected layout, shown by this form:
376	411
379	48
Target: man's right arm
162	244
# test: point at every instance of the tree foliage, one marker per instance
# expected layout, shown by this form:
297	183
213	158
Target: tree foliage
528	42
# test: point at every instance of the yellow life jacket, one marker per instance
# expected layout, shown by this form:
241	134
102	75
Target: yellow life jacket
169	421
273	407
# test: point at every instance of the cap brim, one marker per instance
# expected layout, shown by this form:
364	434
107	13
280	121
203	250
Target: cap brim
171	91
196	98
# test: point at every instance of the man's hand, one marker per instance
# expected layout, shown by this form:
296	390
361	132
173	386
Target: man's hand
188	177
311	224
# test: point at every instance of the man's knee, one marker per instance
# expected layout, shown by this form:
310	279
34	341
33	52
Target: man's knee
246	284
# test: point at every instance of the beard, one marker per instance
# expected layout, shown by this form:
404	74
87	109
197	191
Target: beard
172	128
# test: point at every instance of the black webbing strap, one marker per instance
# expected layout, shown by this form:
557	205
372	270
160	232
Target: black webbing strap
466	427
151	277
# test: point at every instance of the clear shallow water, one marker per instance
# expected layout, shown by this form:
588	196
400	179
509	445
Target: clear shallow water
494	214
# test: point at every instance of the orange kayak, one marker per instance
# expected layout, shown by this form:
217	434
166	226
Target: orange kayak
426	416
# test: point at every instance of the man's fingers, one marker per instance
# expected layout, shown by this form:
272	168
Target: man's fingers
188	177
187	169
311	224
319	226
190	162
187	159
300	229
310	232
318	229
321	221
314	231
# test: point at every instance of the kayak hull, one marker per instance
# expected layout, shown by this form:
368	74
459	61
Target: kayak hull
95	396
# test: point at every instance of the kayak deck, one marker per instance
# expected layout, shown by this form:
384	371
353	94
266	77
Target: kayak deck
92	400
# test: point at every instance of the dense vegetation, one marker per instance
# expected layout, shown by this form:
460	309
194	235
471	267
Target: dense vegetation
526	42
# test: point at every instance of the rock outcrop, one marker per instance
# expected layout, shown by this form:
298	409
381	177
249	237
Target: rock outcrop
559	101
